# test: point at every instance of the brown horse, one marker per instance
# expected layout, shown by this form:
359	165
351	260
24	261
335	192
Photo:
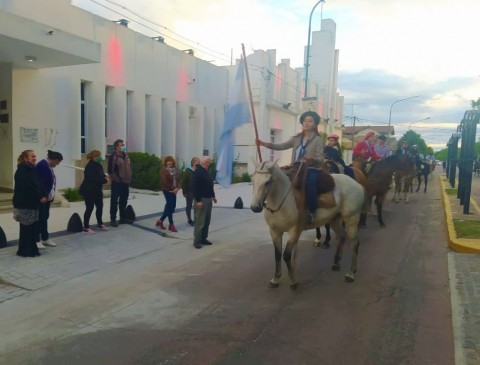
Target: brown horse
377	184
404	174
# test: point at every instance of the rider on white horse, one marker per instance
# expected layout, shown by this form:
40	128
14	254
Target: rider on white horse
308	146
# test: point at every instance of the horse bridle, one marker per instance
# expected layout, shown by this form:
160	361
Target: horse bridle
271	210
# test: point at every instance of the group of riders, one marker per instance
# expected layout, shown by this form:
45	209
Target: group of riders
308	146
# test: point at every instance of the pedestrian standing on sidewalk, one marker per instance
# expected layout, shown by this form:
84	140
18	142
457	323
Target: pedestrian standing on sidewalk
91	190
170	187
120	172
203	195
187	188
27	197
48	183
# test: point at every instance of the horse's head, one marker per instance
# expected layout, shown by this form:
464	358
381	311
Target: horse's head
261	181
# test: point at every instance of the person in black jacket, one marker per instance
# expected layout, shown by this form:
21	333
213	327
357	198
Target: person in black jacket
333	151
91	190
27	197
187	188
203	195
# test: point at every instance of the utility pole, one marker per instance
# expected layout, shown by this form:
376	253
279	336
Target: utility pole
353	135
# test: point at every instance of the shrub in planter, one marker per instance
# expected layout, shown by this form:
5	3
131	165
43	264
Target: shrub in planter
145	171
72	195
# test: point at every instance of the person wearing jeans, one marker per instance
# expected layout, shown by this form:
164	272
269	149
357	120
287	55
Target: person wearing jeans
187	189
120	172
306	146
46	176
170	183
91	190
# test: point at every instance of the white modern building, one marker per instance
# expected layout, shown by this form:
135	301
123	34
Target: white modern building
72	81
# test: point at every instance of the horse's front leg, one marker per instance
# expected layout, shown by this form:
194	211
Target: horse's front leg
318	237
426	183
419	179
277	246
290	254
408	184
397	191
379	199
352	234
328	237
337	227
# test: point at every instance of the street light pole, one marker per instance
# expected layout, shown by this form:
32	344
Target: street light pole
397	101
307	61
421	120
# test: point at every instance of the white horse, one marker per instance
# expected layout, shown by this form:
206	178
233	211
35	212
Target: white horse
273	191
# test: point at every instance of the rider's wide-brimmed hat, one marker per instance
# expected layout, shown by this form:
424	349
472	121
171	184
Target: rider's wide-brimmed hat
382	137
314	115
369	134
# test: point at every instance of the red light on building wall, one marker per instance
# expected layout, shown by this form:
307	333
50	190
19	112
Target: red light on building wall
115	69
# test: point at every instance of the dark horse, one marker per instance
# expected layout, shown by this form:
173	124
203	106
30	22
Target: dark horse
423	169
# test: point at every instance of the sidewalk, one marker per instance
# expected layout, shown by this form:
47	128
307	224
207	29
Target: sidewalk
144	204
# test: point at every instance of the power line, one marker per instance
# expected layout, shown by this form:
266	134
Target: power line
161	26
156	31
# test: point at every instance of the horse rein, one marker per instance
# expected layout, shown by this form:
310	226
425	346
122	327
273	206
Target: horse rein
271	210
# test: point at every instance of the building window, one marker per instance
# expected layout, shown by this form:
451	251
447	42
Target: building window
83	119
272	140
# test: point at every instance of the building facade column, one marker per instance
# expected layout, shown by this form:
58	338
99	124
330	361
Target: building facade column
153	124
135	121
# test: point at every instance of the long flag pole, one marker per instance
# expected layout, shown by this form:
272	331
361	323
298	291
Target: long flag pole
251	101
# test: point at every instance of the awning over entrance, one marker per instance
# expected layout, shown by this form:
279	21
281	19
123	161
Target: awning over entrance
28	44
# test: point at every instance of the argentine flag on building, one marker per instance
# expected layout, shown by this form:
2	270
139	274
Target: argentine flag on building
238	113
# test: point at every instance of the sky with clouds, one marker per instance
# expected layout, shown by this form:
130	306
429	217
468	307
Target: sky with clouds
389	50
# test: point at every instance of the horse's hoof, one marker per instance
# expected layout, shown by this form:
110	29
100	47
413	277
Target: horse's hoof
294	286
382	225
273	285
349	278
335	267
316	243
325	245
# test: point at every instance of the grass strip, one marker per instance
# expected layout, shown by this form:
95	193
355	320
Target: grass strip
467	228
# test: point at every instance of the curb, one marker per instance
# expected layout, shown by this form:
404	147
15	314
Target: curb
460	245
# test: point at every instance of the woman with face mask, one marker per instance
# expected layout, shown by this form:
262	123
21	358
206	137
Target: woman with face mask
91	190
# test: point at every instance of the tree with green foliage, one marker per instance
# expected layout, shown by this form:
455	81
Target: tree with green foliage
475	104
414	138
443	154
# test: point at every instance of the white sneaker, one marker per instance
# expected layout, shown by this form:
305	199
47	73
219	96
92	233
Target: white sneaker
40	246
49	242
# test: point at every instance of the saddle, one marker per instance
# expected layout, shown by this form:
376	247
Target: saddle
297	172
334	167
364	165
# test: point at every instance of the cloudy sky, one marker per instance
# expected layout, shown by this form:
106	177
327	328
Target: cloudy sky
389	50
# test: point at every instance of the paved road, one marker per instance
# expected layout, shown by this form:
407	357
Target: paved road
129	296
